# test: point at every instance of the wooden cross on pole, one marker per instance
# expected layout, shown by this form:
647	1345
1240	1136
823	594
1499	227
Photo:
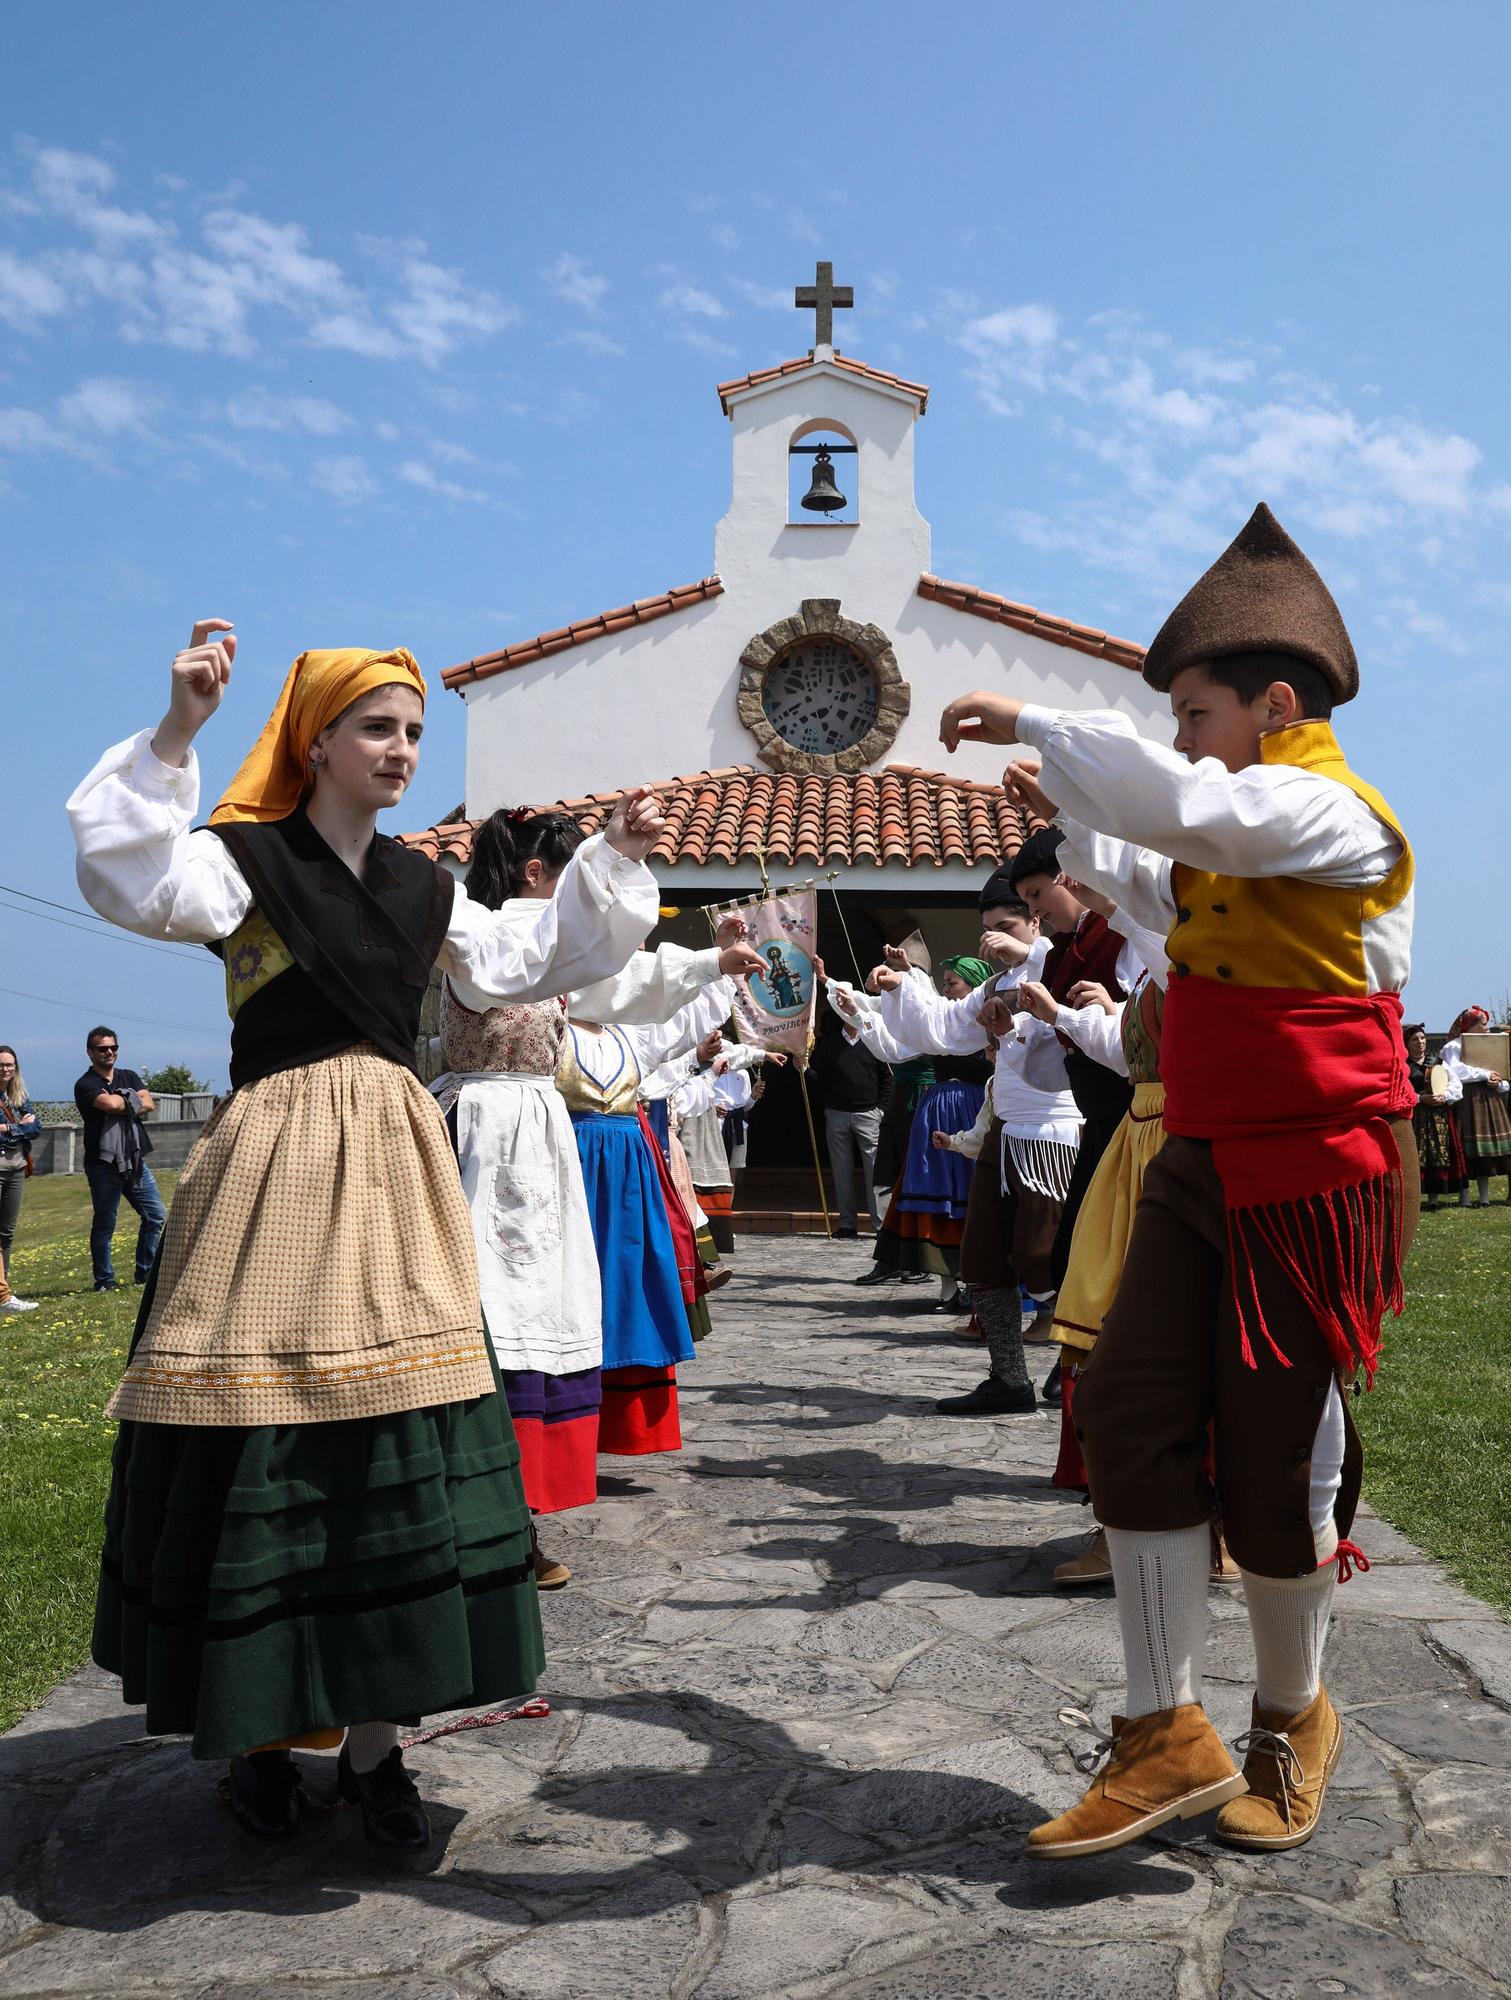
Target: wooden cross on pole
821	298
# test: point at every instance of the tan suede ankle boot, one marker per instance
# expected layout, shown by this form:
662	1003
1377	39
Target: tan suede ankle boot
1161	1767
1288	1761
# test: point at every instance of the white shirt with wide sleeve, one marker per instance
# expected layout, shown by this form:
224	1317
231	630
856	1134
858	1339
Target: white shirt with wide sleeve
141	866
1265	820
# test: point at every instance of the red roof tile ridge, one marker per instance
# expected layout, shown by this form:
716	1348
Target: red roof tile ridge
1026	618
643	611
758	377
728	813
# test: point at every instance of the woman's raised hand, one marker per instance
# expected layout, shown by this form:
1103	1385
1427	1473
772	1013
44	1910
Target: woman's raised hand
200	675
636	825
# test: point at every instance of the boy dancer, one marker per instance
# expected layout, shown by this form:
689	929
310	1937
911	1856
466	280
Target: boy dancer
1273	1224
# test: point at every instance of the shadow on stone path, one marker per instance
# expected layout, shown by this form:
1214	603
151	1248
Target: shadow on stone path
805	1690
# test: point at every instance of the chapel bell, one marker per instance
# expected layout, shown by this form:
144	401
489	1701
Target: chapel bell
823	496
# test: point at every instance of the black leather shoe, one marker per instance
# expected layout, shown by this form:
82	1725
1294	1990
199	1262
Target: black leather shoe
878	1274
991	1398
847	1235
392	1815
107	1285
1052	1392
265	1794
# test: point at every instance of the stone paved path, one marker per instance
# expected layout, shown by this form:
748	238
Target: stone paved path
805	1693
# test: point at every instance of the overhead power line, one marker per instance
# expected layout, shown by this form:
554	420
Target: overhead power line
111	931
106	1012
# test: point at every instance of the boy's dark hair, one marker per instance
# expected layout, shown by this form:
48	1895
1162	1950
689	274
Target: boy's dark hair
505	843
1039	855
1249	674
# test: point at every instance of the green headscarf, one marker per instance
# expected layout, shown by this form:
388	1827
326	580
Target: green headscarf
974	971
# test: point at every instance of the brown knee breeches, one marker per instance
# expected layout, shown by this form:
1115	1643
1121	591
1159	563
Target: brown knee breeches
1169	1362
1009	1236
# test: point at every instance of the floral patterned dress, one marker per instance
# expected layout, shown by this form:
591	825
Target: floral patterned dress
537	1266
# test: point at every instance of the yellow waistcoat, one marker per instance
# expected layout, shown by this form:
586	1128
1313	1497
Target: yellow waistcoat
1280	931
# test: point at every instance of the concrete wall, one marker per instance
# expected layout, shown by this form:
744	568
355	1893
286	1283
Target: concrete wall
60	1150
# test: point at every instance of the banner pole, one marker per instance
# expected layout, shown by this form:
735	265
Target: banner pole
860	977
802	1077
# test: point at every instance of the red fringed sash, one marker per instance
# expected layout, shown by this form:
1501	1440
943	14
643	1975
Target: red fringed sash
1293	1090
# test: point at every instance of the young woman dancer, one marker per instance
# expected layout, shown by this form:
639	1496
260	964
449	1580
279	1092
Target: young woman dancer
651	1274
315	1520
925	1219
1434	1123
1484	1127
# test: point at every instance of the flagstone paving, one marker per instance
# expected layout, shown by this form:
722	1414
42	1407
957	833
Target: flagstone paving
805	1693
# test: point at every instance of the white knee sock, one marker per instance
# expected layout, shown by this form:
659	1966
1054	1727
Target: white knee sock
368	1743
1288	1616
947	1288
1161	1583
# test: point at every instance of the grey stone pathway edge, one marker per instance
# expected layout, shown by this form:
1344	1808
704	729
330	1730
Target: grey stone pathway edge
804	1695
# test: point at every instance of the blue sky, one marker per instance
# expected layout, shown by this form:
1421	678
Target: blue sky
379	326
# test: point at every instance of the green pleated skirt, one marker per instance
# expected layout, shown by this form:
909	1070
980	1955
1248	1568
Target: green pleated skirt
269	1582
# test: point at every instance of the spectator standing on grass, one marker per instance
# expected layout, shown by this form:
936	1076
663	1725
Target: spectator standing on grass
19	1125
112	1103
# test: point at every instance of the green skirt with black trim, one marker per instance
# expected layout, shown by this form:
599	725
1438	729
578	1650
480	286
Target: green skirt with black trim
269	1582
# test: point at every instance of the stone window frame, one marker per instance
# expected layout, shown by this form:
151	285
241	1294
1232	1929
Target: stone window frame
819	617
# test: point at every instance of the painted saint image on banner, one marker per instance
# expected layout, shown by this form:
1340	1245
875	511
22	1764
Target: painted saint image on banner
785	985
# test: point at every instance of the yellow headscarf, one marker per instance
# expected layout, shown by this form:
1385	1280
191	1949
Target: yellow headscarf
275	774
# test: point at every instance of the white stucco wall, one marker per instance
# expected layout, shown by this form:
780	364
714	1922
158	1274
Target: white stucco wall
658	701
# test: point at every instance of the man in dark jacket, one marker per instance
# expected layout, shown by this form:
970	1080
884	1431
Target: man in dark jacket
855	1086
112	1103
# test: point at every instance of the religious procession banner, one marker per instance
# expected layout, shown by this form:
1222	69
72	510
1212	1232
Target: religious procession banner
774	1007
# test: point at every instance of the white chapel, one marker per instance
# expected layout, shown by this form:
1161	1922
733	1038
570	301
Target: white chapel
787	704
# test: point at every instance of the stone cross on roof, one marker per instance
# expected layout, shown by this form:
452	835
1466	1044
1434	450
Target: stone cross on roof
822	297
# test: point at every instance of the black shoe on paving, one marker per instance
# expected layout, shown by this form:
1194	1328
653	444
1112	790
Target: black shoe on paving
848	1234
392	1815
265	1794
991	1398
877	1275
1052	1392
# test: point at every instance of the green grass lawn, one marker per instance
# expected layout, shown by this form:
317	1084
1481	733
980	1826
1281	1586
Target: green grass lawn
1437	1430
58	1366
1437	1427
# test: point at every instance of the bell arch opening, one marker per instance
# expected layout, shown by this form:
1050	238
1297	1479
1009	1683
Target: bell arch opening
823	476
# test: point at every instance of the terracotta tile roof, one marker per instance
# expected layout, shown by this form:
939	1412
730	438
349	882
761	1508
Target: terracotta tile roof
642	612
762	375
919	818
1060	631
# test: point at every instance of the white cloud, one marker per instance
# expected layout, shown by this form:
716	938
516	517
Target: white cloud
109	408
29	430
210	287
73	186
770	298
417	473
1011	329
27	292
258	410
569	278
725	235
591	339
346	479
683	297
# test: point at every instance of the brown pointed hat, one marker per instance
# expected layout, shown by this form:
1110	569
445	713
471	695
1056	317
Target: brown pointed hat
1260	596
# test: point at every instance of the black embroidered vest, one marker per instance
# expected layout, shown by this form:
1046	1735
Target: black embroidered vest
362	951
